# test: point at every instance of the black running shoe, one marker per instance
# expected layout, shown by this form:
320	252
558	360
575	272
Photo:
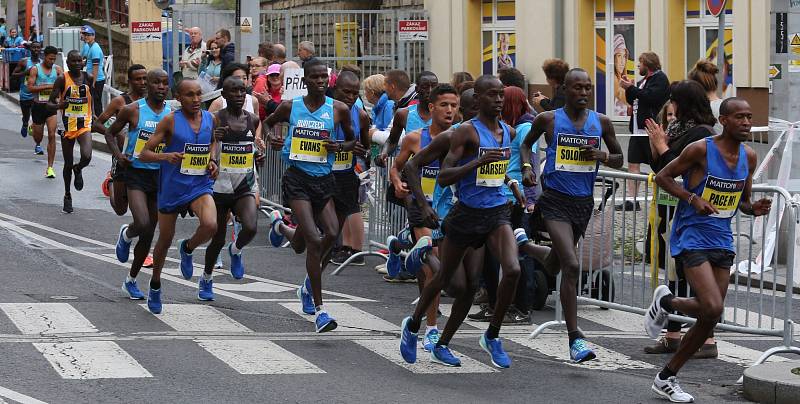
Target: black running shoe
78	179
67	204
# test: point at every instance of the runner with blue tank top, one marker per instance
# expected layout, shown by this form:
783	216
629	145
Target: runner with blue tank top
573	135
411	118
717	177
20	72
188	166
308	184
477	161
443	106
41	79
141	179
346	198
239	141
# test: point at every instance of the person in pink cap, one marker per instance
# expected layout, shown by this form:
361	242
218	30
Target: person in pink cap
274	82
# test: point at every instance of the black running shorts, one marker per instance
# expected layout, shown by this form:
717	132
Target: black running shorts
40	113
560	207
345	199
297	185
717	257
141	179
470	227
227	201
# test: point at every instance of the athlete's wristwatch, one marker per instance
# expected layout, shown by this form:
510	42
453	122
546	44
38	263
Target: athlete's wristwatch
526	165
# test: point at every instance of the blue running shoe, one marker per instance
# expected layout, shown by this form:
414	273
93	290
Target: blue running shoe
24	131
393	264
306	299
431	338
123	247
495	349
414	257
132	290
579	351
38	150
441	354
325	323
205	289
154	301
275	236
408	342
521	236
237	264
187	267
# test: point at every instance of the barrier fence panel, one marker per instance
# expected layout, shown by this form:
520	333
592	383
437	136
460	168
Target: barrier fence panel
622	262
366	38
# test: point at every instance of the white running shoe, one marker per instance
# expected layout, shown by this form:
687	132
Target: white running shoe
671	389
656	316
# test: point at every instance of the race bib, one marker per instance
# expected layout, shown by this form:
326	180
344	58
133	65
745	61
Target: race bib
44	95
343	161
77	107
428	179
195	159
664	198
308	144
493	174
724	195
568	153
236	158
141	140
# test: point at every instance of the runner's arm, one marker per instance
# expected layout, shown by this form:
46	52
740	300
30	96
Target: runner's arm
112	133
614	156
687	160
19	69
451	172
346	124
114	107
281	114
398	125
31	81
437	148
55	102
406	151
540	125
364	137
763	205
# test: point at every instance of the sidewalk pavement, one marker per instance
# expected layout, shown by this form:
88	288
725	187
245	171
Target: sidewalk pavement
773	382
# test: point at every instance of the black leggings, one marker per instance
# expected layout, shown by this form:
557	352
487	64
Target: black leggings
26	106
67	145
491	270
97	97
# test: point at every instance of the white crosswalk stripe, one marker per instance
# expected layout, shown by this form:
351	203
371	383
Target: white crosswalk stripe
556	346
197	318
389	350
72	360
258	357
347	317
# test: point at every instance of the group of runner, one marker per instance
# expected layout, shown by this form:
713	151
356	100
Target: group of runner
452	178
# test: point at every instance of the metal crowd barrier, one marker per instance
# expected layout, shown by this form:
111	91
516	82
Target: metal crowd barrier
753	305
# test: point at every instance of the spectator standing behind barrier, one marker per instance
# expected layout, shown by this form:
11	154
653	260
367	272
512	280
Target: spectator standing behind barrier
3	32
305	51
693	121
227	49
35	37
95	59
266	51
647	97
12	40
554	71
459	78
705	73
279	53
258	76
382	106
211	66
192	55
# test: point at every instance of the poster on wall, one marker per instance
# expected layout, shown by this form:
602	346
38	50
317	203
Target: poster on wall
499	51
624	67
711	56
600	84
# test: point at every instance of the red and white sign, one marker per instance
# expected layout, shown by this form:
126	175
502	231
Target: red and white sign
715	7
412	30
145	31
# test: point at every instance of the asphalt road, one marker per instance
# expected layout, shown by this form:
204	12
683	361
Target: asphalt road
68	334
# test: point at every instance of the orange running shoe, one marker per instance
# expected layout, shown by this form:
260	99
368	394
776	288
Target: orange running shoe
148	262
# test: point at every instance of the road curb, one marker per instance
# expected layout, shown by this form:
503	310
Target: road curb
773	382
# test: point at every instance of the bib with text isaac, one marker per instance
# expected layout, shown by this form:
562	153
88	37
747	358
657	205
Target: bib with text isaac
493	174
568	152
236	158
195	159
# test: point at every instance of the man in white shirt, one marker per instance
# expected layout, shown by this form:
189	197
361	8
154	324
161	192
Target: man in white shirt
192	54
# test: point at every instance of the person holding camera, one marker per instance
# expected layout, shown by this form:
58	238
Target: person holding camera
211	66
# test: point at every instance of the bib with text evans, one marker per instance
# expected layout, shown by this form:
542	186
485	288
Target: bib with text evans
308	144
77	107
195	159
428	179
236	158
493	174
724	195
568	153
141	140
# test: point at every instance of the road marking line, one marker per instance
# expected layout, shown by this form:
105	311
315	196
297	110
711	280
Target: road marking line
555	346
446	308
388	349
18	397
259	287
91	360
347	316
167	273
47	318
258	357
197	318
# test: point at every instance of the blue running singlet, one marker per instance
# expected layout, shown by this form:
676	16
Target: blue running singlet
304	146
565	170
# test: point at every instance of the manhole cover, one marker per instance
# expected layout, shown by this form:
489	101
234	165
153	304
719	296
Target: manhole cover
64	297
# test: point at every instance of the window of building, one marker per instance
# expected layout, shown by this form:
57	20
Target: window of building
498	35
614	55
702	30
